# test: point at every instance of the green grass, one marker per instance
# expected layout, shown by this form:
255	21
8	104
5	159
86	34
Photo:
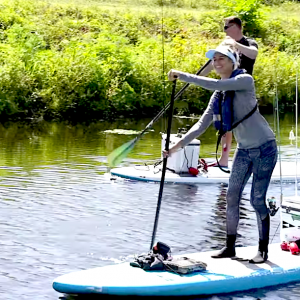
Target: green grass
101	59
189	4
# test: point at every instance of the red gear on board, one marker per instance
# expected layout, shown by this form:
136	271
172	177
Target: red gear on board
290	246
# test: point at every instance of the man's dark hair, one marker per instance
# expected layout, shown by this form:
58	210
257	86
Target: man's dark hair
234	20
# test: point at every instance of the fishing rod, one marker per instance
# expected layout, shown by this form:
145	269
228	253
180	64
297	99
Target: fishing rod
279	153
296	121
296	144
279	144
115	157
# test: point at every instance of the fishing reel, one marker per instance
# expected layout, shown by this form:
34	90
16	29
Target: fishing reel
272	206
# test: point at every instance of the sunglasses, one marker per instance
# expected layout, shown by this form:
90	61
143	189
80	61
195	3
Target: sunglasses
227	26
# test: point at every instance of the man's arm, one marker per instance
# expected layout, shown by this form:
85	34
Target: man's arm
249	51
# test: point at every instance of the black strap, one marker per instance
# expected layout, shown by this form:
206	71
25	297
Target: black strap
221	133
246	117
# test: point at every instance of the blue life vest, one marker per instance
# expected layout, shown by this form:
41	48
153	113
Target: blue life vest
223	107
223	113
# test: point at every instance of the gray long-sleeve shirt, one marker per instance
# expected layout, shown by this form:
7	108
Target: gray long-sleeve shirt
252	132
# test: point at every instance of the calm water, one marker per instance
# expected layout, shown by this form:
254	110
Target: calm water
61	212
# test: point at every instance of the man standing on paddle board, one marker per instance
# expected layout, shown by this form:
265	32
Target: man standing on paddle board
247	49
256	151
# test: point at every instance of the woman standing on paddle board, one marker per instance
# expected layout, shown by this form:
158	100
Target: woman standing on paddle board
234	102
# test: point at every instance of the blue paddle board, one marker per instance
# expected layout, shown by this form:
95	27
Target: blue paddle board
222	276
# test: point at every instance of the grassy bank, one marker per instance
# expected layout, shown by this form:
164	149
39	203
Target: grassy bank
103	59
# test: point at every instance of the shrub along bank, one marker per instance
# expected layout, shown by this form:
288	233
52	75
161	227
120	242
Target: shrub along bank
106	59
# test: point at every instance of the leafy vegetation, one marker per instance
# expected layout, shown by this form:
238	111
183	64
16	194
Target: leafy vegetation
105	59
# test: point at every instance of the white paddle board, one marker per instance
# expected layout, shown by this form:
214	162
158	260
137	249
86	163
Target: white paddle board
214	174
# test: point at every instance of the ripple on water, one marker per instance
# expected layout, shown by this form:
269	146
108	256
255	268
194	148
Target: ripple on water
64	214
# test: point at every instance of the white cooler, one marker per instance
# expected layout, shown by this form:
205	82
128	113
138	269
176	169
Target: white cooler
181	161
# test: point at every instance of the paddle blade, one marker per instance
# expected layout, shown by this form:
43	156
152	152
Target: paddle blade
120	153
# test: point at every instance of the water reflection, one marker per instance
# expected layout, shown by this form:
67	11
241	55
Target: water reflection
218	220
27	145
62	213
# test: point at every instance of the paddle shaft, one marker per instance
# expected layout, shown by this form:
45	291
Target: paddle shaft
163	173
178	94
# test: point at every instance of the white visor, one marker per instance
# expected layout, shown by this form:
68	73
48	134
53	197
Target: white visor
223	50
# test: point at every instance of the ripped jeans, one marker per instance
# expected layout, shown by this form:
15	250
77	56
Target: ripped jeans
261	162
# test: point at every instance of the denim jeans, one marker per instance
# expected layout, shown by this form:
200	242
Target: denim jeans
257	161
